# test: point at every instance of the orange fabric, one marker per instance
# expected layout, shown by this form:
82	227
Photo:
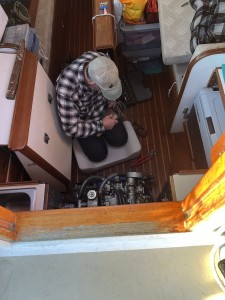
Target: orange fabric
133	10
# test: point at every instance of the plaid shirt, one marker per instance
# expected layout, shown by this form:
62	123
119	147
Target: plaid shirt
208	24
80	108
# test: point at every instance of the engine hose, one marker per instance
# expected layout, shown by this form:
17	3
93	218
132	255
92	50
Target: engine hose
119	195
87	180
103	184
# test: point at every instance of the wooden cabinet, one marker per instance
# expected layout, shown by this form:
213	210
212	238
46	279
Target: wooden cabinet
35	132
45	135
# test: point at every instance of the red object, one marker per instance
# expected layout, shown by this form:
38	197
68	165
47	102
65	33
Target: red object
140	161
151	12
143	159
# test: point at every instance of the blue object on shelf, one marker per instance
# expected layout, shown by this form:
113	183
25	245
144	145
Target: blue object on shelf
223	72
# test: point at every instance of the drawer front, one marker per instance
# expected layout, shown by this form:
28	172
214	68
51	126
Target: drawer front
142	40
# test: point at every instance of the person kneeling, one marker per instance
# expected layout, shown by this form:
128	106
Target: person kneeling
85	90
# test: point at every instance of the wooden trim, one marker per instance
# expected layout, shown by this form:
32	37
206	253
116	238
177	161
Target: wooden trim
163	217
207	197
23	106
153	218
192	64
189	172
100	221
103	27
172	187
17	183
33	11
195	61
7	224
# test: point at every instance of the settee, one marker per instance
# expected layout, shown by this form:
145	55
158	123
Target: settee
176	22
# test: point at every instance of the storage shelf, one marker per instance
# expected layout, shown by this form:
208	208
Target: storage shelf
140	40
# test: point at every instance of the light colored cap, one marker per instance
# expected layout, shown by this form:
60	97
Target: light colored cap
103	72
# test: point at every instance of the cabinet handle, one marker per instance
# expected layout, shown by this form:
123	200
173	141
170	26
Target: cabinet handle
46	138
50	98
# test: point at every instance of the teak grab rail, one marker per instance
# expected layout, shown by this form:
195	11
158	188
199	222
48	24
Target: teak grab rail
103	27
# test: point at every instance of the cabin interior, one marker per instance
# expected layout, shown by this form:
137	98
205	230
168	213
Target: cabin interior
153	98
153	115
179	173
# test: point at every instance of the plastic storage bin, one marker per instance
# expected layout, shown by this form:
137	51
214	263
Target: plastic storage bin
140	40
14	34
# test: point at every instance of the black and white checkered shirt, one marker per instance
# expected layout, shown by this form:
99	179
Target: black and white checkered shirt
208	24
80	108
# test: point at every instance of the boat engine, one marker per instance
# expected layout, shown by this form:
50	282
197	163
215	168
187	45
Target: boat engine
129	188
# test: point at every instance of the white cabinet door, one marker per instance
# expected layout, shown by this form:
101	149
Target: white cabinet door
38	174
6	106
36	130
46	136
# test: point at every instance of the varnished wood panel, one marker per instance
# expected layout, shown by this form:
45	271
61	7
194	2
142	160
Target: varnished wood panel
24	99
100	221
103	27
72	34
11	169
16	172
7	224
4	163
208	195
33	11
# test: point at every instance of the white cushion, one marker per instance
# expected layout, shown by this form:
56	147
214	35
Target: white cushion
175	21
115	155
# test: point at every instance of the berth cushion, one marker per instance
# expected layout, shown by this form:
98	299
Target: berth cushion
175	31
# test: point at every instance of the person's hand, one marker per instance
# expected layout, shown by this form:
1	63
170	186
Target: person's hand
109	121
111	103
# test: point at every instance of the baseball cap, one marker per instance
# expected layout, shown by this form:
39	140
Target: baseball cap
103	72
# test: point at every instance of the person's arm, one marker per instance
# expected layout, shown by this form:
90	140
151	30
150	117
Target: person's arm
71	122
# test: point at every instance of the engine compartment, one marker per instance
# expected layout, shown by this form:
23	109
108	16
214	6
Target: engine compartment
116	189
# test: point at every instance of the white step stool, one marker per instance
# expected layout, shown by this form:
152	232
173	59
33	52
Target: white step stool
115	155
